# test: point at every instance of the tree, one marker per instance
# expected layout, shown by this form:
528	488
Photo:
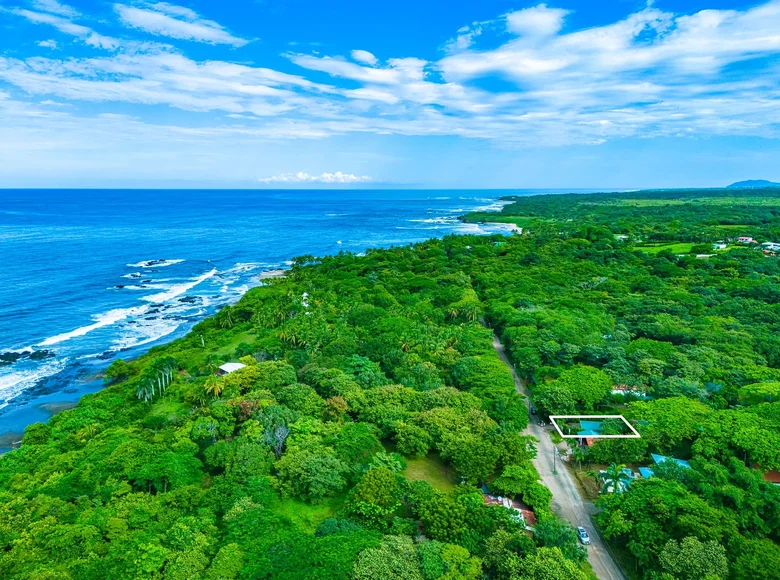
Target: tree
412	440
376	497
442	518
691	559
516	480
550	564
614	479
214	386
227	564
311	474
396	558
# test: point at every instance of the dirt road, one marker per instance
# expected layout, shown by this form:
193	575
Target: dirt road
566	500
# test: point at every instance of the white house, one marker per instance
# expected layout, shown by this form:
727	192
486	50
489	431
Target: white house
228	368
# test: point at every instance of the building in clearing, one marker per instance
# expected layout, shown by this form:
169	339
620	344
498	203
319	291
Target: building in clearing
228	368
661	458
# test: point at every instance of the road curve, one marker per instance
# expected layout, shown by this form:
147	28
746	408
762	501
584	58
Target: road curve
566	500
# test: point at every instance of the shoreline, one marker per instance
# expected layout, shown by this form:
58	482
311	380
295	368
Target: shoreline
62	391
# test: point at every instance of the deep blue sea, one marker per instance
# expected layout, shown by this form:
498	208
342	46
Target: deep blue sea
89	275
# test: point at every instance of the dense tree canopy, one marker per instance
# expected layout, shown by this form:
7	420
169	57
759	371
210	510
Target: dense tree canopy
322	457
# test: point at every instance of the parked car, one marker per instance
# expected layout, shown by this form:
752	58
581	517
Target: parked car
533	410
583	535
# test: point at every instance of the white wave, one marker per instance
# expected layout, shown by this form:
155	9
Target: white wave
154	263
495	206
101	320
336	214
179	289
144	332
15	383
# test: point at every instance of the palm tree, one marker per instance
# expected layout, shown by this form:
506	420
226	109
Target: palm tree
214	387
145	391
614	478
579	454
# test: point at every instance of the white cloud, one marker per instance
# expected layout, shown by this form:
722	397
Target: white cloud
303	177
48	44
165	19
653	73
364	57
536	21
69	27
54	7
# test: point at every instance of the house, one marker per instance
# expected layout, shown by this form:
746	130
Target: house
746	240
772	476
661	458
771	246
645	472
228	368
521	513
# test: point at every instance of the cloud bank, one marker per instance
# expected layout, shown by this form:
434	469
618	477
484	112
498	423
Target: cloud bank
523	79
303	177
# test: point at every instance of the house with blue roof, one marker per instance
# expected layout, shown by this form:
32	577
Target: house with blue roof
661	458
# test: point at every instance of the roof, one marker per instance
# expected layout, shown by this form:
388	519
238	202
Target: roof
772	476
661	458
228	368
591	426
645	472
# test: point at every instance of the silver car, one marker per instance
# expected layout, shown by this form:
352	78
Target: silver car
583	535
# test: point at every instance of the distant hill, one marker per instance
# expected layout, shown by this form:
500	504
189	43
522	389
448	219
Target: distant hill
753	184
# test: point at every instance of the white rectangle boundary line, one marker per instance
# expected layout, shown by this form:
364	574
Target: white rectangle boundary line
634	435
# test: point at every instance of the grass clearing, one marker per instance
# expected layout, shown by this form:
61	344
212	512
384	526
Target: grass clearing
308	516
681	248
431	469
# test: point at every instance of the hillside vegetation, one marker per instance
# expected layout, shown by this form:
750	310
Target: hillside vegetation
372	406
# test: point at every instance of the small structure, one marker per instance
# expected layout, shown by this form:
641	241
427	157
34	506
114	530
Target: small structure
772	476
228	368
521	513
720	245
658	459
645	472
771	246
746	240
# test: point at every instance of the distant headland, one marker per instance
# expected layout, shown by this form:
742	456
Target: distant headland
753	184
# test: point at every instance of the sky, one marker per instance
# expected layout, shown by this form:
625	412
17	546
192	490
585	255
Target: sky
409	93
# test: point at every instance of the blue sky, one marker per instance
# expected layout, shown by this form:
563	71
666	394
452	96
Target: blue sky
297	93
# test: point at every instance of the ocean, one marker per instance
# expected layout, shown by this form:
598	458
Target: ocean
91	275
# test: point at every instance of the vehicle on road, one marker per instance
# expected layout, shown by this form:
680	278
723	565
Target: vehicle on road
583	535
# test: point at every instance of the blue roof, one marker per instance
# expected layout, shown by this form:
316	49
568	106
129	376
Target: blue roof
591	426
661	458
646	472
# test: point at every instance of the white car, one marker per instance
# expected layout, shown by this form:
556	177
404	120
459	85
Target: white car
583	535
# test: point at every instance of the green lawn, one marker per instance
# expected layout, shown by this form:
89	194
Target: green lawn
681	248
308	516
432	470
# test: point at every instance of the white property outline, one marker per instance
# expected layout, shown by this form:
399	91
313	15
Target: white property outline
635	434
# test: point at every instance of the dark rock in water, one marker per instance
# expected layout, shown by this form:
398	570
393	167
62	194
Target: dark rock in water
149	281
41	354
119	286
106	355
153	311
9	358
189	299
150	318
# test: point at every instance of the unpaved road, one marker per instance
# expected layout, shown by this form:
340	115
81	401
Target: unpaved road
566	500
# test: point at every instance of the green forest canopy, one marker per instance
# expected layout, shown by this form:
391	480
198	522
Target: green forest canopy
295	466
